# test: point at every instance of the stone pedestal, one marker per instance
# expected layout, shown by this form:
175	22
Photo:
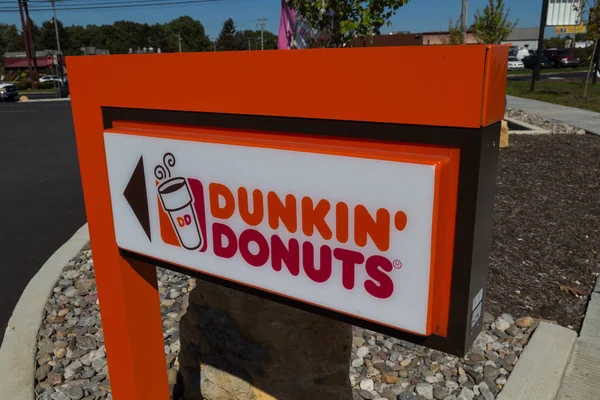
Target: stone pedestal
504	135
235	346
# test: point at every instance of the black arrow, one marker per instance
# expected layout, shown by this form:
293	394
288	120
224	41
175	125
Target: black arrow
135	194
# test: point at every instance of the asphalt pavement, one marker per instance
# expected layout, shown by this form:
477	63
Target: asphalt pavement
572	76
41	200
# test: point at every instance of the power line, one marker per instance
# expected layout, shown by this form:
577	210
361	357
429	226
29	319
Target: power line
97	6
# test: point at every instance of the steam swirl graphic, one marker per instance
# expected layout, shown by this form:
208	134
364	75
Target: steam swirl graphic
163	170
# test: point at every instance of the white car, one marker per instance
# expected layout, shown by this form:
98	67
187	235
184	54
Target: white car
49	78
515	65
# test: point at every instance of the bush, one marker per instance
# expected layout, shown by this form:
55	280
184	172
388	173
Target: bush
25	84
48	85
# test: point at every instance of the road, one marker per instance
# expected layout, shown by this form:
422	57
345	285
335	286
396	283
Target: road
575	75
41	201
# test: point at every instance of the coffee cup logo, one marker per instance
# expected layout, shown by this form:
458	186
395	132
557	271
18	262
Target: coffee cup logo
177	201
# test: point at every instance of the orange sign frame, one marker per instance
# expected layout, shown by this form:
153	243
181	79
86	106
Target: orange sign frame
457	90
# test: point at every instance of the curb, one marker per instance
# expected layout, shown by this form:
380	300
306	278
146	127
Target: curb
533	130
541	367
17	354
581	378
43	100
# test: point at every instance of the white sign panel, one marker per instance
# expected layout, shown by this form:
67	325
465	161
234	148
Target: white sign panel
353	235
564	12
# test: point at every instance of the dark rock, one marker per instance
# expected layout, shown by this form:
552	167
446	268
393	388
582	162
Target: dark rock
75	392
510	359
383	368
477	376
42	372
365	395
439	392
490	372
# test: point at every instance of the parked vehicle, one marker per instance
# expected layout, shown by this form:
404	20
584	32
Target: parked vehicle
532	60
562	58
8	91
514	64
48	78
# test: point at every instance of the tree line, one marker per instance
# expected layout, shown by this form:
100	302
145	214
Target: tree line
121	36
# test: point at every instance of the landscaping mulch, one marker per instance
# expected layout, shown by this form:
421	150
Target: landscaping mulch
546	227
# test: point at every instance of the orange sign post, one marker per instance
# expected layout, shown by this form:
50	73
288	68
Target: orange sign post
344	182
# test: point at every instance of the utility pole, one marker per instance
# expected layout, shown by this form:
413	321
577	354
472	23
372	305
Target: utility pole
262	22
538	67
26	40
179	39
249	44
59	55
32	50
463	17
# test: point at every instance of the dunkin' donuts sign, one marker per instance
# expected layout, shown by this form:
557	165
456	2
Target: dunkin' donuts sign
348	234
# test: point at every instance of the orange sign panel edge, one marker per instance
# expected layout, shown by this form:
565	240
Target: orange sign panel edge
424	85
445	195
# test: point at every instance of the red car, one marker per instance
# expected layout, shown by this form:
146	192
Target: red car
562	58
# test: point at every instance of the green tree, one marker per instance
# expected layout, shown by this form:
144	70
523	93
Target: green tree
340	21
227	39
253	36
47	36
492	25
10	40
593	29
77	38
193	35
456	32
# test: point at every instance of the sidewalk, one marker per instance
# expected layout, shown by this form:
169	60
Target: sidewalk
583	119
582	378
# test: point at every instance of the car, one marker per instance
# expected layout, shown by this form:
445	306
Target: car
8	91
532	60
48	78
562	58
514	64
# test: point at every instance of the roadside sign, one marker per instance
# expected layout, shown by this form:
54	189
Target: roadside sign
55	59
563	30
50	59
378	215
564	13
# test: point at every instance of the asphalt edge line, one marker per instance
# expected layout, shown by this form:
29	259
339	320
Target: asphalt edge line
17	354
540	369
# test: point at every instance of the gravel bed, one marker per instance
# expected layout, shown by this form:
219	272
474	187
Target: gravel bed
71	358
546	237
547	124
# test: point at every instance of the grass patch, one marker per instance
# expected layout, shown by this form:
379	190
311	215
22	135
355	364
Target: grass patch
563	93
528	71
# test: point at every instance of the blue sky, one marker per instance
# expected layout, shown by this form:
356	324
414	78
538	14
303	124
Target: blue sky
416	16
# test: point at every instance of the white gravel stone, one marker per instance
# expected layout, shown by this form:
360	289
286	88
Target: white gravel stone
425	390
366	384
362	351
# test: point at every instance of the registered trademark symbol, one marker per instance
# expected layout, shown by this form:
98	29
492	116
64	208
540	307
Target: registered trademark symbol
397	264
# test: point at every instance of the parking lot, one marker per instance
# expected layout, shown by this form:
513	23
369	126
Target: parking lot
41	202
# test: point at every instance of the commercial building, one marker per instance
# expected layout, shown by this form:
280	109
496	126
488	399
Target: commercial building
520	37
